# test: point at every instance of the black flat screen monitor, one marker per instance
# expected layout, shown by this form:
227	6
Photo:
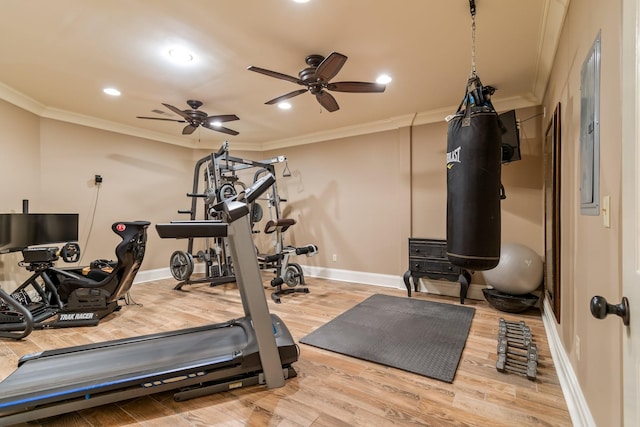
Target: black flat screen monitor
510	137
19	230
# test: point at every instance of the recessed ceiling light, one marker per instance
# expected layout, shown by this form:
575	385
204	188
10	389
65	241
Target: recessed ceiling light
284	105
301	1
111	91
180	54
384	79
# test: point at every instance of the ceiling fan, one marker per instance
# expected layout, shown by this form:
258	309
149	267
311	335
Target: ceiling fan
197	118
316	78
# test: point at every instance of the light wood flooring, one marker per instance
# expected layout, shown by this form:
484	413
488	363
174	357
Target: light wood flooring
330	389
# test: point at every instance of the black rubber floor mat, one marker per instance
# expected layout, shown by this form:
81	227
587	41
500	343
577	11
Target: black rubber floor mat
423	337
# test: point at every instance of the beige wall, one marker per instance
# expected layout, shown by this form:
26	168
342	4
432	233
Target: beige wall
53	164
362	197
590	257
19	173
351	198
359	198
523	181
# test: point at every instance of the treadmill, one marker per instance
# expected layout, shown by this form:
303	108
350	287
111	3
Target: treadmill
254	349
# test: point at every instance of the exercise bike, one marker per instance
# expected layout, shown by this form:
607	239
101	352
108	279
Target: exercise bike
57	297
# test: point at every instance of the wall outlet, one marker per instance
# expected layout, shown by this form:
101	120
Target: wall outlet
335	257
98	179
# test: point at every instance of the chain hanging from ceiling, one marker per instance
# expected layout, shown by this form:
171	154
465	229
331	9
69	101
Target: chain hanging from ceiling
472	7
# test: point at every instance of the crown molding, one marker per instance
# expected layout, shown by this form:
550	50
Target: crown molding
397	122
94	122
392	123
29	104
553	17
21	100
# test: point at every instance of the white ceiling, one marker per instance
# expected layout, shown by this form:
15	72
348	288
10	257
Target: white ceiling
58	55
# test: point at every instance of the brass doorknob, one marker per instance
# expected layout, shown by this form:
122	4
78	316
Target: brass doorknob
600	308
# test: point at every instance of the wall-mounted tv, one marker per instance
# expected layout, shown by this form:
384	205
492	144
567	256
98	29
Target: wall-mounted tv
20	230
510	136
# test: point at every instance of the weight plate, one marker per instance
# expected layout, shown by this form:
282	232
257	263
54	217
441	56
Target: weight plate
292	274
181	265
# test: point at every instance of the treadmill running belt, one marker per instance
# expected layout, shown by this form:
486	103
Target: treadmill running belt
96	370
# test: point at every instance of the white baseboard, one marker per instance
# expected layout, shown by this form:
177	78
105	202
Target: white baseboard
576	403
150	275
385	280
161	273
450	289
438	287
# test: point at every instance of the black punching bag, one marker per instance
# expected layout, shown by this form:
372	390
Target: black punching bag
474	153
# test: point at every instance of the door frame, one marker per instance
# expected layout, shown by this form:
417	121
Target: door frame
630	255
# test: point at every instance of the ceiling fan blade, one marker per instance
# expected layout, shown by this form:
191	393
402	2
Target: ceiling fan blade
286	96
177	111
327	101
276	75
358	87
188	129
330	66
220	129
161	118
222	118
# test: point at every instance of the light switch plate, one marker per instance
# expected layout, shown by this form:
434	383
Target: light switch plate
606	213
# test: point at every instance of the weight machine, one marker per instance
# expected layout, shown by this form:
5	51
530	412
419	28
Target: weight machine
221	182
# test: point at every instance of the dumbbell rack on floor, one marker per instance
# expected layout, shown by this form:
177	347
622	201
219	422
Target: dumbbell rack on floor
516	351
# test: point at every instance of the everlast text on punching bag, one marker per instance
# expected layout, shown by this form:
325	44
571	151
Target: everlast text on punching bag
474	153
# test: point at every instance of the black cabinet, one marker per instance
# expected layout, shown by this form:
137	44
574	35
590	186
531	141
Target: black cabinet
428	257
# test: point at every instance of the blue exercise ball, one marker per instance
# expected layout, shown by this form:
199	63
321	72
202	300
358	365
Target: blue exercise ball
518	272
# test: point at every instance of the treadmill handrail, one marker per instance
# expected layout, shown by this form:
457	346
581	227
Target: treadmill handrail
193	228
